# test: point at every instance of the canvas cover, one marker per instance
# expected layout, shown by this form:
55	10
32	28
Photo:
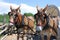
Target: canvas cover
52	10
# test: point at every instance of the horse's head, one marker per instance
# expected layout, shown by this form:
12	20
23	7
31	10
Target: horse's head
41	17
15	13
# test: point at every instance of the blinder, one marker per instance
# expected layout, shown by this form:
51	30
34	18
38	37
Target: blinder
10	14
43	17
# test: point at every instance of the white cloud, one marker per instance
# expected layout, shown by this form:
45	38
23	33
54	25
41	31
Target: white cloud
5	8
26	8
59	8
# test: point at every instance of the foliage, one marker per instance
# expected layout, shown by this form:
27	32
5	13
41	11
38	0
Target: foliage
7	18
1	18
4	16
28	14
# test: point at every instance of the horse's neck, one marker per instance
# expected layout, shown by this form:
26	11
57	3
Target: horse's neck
19	18
51	23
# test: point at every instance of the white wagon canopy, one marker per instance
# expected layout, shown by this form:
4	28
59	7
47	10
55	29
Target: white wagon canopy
52	10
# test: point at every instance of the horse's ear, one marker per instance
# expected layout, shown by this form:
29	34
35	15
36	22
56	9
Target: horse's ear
45	8
18	8
10	7
37	7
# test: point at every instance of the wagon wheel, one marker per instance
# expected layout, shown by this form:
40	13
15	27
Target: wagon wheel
52	10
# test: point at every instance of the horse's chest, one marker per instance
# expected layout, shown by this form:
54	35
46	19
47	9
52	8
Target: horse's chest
51	22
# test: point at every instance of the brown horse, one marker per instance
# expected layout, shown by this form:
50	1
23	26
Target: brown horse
47	25
21	21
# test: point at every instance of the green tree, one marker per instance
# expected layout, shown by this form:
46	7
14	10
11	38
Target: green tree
4	16
28	14
1	18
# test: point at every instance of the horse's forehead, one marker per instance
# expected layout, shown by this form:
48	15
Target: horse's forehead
13	9
42	15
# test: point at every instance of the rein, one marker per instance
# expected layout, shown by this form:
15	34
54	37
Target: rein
53	27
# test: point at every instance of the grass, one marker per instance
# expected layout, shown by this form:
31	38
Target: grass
1	36
0	30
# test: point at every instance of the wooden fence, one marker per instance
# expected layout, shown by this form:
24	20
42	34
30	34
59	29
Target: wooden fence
4	28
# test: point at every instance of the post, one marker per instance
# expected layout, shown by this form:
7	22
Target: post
4	19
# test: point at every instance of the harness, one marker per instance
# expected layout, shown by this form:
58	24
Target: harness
47	23
53	27
23	20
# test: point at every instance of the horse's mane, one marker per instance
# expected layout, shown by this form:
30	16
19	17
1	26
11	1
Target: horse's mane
18	19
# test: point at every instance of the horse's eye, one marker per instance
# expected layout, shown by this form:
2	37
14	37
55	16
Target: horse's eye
44	17
16	15
11	14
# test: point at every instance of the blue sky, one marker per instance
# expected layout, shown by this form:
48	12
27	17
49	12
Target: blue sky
41	3
26	5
